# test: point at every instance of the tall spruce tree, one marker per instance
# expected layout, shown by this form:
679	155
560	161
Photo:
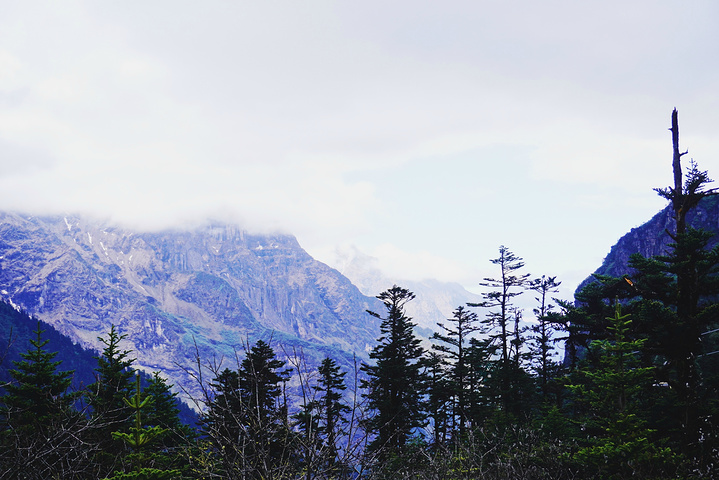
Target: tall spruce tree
321	421
107	396
508	376
544	332
499	299
246	422
395	380
224	424
454	347
261	380
439	397
113	373
42	435
39	393
673	300
332	409
618	443
145	462
163	411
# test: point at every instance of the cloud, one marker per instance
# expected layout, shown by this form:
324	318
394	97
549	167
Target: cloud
426	133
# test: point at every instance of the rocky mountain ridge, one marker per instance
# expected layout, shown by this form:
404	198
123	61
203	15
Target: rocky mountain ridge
652	238
177	293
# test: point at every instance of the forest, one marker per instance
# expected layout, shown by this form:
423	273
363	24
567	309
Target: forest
619	383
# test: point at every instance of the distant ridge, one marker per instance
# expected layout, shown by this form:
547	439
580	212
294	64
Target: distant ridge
174	293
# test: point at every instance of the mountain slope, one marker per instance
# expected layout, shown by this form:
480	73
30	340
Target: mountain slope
175	293
652	238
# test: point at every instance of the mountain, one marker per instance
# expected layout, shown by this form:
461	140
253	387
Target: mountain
652	238
209	290
434	300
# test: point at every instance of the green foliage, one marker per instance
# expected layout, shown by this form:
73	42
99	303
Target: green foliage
38	393
107	395
245	422
454	351
544	335
140	464
41	434
619	444
499	299
394	385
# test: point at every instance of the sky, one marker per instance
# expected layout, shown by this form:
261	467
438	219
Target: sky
424	134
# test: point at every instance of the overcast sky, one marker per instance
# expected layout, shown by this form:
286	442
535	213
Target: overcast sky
425	134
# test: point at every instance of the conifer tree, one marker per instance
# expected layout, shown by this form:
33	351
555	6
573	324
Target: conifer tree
331	408
224	422
481	396
143	463
454	348
544	332
269	447
440	397
508	376
619	444
395	380
106	397
163	411
42	435
39	393
245	421
503	289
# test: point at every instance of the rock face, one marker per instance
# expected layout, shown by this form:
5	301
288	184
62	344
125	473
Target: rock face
175	293
652	238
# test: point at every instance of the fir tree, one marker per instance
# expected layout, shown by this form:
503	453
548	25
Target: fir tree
163	411
107	397
508	376
503	289
41	434
38	393
618	444
331	408
142	463
246	422
395	380
454	347
544	333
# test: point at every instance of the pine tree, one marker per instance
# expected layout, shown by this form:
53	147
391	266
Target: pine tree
245	421
454	346
107	396
618	444
508	376
331	408
142	463
39	392
544	333
504	289
395	380
42	435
